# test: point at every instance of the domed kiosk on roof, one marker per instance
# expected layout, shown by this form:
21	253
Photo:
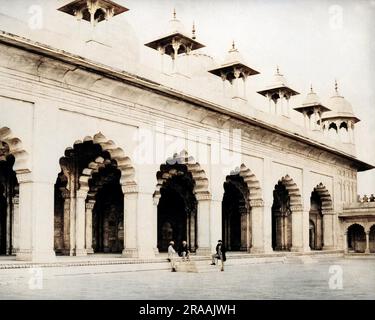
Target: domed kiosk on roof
341	119
312	110
278	91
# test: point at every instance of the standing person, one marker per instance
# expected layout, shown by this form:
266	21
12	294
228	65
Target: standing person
220	254
172	256
184	251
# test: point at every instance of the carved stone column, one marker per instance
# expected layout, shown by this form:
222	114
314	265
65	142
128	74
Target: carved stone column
67	205
89	206
15	223
204	201
245	229
80	223
155	223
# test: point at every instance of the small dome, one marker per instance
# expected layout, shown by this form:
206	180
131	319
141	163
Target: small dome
312	99
233	56
278	80
340	108
175	25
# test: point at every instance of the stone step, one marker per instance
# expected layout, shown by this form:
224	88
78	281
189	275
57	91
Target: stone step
197	266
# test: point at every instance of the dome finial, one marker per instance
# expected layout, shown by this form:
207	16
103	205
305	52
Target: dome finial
277	69
193	31
336	87
233	45
311	88
174	13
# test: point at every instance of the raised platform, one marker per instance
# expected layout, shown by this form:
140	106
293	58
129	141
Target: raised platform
9	262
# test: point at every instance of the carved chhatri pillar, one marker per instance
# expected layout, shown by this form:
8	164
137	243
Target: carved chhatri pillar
80	249
89	206
204	202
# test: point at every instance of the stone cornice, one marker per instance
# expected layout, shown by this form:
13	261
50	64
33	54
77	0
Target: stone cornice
297	142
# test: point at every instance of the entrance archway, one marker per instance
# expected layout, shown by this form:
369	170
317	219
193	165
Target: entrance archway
181	183
96	170
177	210
108	211
356	238
8	199
236	222
286	198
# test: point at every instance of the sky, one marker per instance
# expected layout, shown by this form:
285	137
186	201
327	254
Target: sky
312	42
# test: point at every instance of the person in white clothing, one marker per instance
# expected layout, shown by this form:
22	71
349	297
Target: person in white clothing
172	256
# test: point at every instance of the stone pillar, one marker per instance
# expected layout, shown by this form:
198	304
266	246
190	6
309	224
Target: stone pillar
305	231
346	242
89	206
144	225
72	221
67	243
130	221
215	223
261	232
328	230
204	246
36	207
367	250
80	223
245	230
16	226
297	228
155	224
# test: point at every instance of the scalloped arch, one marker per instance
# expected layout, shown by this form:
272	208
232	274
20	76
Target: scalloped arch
21	164
255	191
293	190
124	163
325	197
198	174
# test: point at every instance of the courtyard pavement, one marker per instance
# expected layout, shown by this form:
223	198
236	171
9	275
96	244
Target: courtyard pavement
335	278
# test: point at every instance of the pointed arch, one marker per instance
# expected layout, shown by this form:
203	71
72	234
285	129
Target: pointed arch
255	191
293	191
123	162
21	164
198	174
325	197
